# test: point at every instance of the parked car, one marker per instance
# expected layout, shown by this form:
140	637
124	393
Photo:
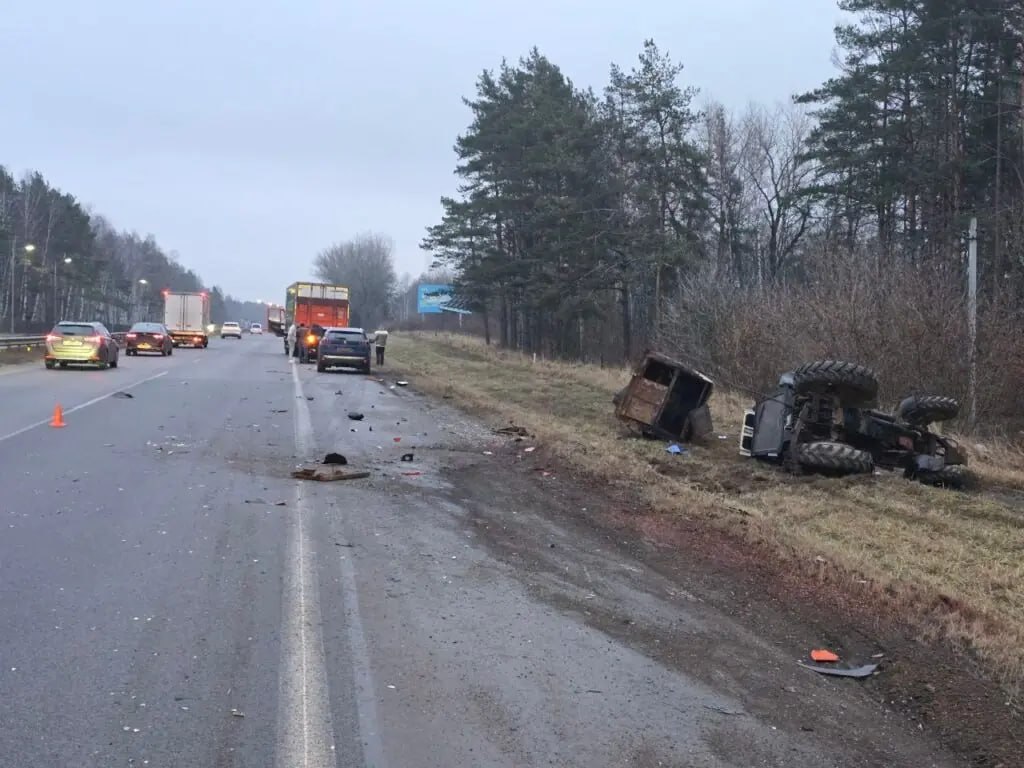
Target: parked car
231	329
148	337
71	343
344	347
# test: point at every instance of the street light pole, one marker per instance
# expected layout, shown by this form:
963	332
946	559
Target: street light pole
56	301
29	248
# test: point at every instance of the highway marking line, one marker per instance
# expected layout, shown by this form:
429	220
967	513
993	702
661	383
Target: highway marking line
305	729
86	404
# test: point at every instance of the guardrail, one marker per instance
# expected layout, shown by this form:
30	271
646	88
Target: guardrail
17	342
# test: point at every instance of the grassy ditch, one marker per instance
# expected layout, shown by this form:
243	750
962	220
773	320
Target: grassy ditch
949	562
18	355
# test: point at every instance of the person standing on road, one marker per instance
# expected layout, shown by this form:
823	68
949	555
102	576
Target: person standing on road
289	340
301	341
380	341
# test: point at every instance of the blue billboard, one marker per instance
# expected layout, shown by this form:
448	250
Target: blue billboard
431	299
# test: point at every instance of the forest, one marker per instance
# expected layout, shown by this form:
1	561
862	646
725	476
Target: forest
58	260
592	224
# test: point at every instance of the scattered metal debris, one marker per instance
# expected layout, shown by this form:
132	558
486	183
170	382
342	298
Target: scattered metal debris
328	475
856	672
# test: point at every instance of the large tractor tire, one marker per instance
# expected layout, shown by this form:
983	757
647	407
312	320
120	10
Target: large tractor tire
834	458
922	410
855	385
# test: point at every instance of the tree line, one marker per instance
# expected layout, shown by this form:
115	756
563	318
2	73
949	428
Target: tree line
60	261
590	224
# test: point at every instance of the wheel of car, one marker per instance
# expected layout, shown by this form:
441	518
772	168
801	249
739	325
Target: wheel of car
49	364
170	351
834	458
63	365
922	410
320	367
854	384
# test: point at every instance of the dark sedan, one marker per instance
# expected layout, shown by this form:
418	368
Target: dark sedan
344	347
149	337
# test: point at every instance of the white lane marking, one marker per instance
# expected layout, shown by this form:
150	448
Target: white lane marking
86	404
305	734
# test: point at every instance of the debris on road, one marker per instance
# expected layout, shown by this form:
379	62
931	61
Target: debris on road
328	475
819	654
676	449
355	415
237	713
666	399
335	458
402	383
856	672
512	431
124	395
407	457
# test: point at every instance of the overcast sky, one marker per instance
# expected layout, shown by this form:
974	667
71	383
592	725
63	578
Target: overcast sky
248	135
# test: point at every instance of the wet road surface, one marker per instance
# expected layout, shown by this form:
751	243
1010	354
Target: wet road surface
172	597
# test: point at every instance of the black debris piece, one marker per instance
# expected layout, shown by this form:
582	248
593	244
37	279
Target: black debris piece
407	457
355	416
335	458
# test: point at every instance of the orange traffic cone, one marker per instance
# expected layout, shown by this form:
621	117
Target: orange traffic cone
58	417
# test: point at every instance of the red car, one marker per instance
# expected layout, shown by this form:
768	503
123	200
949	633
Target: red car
148	337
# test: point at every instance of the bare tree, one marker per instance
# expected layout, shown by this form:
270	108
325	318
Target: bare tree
776	165
365	264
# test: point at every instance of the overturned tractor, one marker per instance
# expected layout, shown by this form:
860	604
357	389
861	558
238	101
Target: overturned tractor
821	418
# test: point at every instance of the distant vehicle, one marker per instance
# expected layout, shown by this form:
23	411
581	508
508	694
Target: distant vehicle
344	347
256	328
275	321
148	337
187	317
230	328
316	304
80	344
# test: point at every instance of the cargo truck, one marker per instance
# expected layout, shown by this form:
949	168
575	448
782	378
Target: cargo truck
316	304
187	316
275	321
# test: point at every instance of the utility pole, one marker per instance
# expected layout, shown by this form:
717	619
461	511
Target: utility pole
972	322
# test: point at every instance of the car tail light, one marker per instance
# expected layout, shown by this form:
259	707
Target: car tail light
132	336
158	335
93	338
197	338
53	337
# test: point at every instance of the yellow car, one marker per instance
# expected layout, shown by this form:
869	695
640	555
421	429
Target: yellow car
80	344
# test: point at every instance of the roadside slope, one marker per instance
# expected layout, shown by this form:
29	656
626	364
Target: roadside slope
932	565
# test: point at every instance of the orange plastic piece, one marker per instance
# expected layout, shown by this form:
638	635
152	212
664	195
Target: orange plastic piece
822	655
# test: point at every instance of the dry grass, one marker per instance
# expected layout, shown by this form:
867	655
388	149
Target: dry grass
951	560
16	356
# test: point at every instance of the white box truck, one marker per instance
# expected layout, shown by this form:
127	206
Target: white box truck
187	316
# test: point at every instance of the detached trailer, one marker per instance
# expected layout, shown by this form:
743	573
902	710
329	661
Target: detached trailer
187	316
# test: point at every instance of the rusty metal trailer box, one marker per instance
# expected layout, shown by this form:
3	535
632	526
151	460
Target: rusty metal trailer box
666	399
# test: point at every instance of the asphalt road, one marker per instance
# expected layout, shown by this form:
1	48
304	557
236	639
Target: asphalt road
172	597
